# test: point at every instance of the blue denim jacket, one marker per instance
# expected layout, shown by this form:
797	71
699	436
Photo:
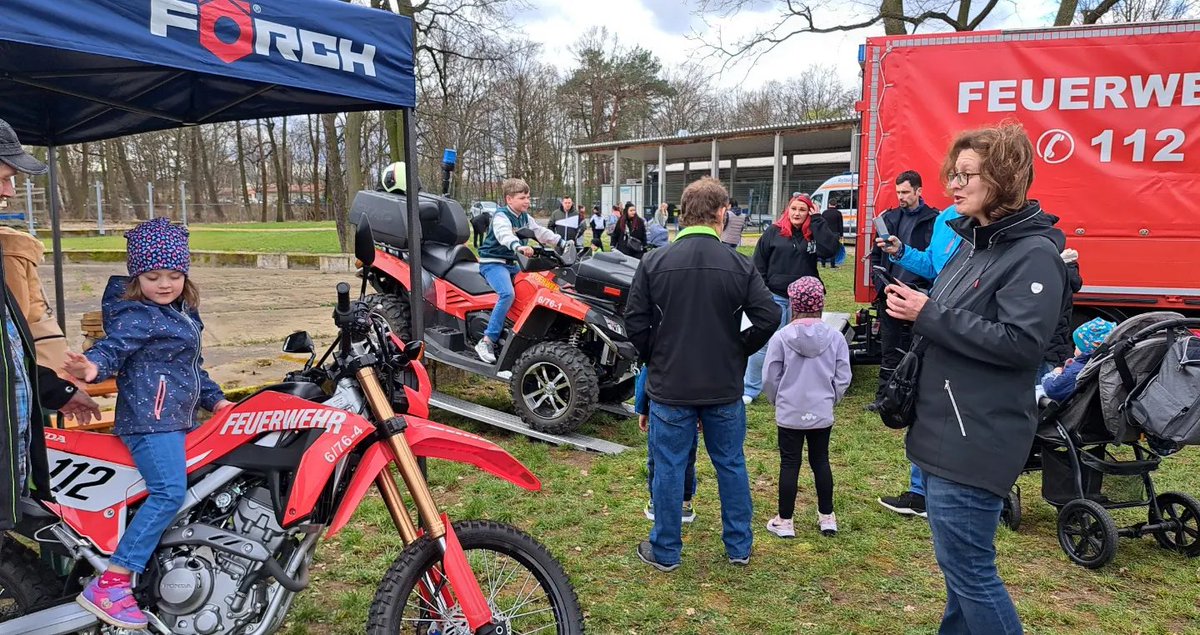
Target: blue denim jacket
154	351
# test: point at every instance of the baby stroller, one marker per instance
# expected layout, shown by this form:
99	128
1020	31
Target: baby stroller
1136	401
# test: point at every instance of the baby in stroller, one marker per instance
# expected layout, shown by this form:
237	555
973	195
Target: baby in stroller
1137	391
1059	384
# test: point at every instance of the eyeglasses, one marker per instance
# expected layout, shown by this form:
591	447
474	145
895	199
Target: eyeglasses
960	178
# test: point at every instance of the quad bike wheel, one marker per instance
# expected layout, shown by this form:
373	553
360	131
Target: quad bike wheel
525	586
554	387
1087	533
395	309
1010	514
1184	511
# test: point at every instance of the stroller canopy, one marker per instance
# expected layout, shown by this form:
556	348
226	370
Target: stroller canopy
82	70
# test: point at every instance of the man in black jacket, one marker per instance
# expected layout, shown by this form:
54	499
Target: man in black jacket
25	384
684	316
911	222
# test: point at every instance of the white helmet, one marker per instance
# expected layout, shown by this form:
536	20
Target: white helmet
394	178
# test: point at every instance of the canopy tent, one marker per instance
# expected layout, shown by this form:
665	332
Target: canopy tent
83	70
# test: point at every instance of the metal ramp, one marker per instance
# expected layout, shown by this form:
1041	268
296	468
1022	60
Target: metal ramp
513	423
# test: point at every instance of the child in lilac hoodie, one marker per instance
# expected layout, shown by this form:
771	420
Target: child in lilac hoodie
806	373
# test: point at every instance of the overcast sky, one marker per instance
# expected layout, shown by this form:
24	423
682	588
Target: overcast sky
664	27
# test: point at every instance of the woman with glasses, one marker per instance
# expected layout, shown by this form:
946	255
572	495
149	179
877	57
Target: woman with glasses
981	333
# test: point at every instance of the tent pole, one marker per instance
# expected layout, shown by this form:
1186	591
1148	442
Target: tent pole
416	296
60	303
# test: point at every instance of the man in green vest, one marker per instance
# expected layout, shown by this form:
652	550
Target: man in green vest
498	257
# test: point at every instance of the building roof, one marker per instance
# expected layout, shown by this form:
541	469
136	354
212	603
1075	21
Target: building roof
820	135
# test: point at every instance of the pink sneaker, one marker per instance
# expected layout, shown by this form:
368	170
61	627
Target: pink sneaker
114	605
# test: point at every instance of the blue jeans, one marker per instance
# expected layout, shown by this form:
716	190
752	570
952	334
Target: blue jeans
689	472
672	435
160	458
963	521
916	480
753	379
500	277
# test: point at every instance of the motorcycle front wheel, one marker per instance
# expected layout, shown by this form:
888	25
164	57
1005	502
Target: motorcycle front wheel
526	588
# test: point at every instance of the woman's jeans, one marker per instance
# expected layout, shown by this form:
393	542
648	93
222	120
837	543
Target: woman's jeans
160	458
963	521
753	379
500	277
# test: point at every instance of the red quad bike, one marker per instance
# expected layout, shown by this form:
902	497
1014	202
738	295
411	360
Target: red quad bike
271	476
564	347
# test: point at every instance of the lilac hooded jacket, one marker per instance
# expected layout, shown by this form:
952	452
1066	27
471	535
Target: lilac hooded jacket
806	373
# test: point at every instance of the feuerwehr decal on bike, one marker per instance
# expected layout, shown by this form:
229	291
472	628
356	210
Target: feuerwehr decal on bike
251	423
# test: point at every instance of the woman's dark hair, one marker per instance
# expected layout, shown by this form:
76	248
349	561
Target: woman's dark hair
190	295
1005	165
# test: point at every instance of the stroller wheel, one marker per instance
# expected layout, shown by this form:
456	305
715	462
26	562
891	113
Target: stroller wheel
1010	514
1184	512
1087	533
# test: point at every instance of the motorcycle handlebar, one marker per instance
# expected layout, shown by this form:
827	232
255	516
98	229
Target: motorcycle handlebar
343	297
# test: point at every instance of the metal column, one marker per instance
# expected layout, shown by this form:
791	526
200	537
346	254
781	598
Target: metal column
777	174
416	295
183	202
616	179
579	179
732	176
662	174
715	171
787	179
60	301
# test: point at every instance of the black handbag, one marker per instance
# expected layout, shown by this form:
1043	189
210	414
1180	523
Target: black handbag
898	402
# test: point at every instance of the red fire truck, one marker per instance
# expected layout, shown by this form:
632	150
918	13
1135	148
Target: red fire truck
1114	114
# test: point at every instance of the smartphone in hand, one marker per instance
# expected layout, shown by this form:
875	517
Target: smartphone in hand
883	276
881	230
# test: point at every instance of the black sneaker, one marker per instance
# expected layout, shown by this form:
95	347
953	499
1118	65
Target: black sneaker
645	553
906	504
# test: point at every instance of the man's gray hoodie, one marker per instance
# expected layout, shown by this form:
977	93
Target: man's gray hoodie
806	373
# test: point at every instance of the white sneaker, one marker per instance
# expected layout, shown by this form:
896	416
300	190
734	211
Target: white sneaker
746	399
484	350
828	524
782	528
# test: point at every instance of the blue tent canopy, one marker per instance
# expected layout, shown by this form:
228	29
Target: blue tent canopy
82	70
73	71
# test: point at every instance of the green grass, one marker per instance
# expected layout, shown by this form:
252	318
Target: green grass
319	224
877	576
315	242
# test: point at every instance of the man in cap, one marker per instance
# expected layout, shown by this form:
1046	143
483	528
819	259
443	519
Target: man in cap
28	388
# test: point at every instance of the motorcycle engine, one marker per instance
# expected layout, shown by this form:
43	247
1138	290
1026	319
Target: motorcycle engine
198	585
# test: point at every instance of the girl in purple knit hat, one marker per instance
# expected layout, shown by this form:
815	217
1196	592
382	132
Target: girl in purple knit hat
806	372
152	345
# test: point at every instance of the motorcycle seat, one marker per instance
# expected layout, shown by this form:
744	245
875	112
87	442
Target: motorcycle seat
438	259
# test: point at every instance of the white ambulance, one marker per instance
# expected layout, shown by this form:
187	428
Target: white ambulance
840	192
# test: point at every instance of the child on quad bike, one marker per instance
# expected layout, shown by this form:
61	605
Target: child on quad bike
498	255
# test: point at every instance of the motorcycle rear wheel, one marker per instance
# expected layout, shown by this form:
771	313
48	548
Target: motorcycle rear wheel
525	586
24	581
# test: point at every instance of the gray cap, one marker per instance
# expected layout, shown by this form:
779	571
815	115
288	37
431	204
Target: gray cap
13	154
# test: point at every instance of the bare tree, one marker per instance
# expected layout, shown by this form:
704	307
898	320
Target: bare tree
795	18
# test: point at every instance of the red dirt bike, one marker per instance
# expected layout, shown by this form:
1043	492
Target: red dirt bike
267	479
565	349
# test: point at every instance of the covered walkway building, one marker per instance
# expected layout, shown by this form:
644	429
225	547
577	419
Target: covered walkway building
761	165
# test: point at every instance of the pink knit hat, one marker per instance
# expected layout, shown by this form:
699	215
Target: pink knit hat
807	295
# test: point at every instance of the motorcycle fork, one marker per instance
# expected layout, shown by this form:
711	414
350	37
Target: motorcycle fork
462	580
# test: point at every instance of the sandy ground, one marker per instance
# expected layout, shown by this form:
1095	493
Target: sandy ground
247	313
